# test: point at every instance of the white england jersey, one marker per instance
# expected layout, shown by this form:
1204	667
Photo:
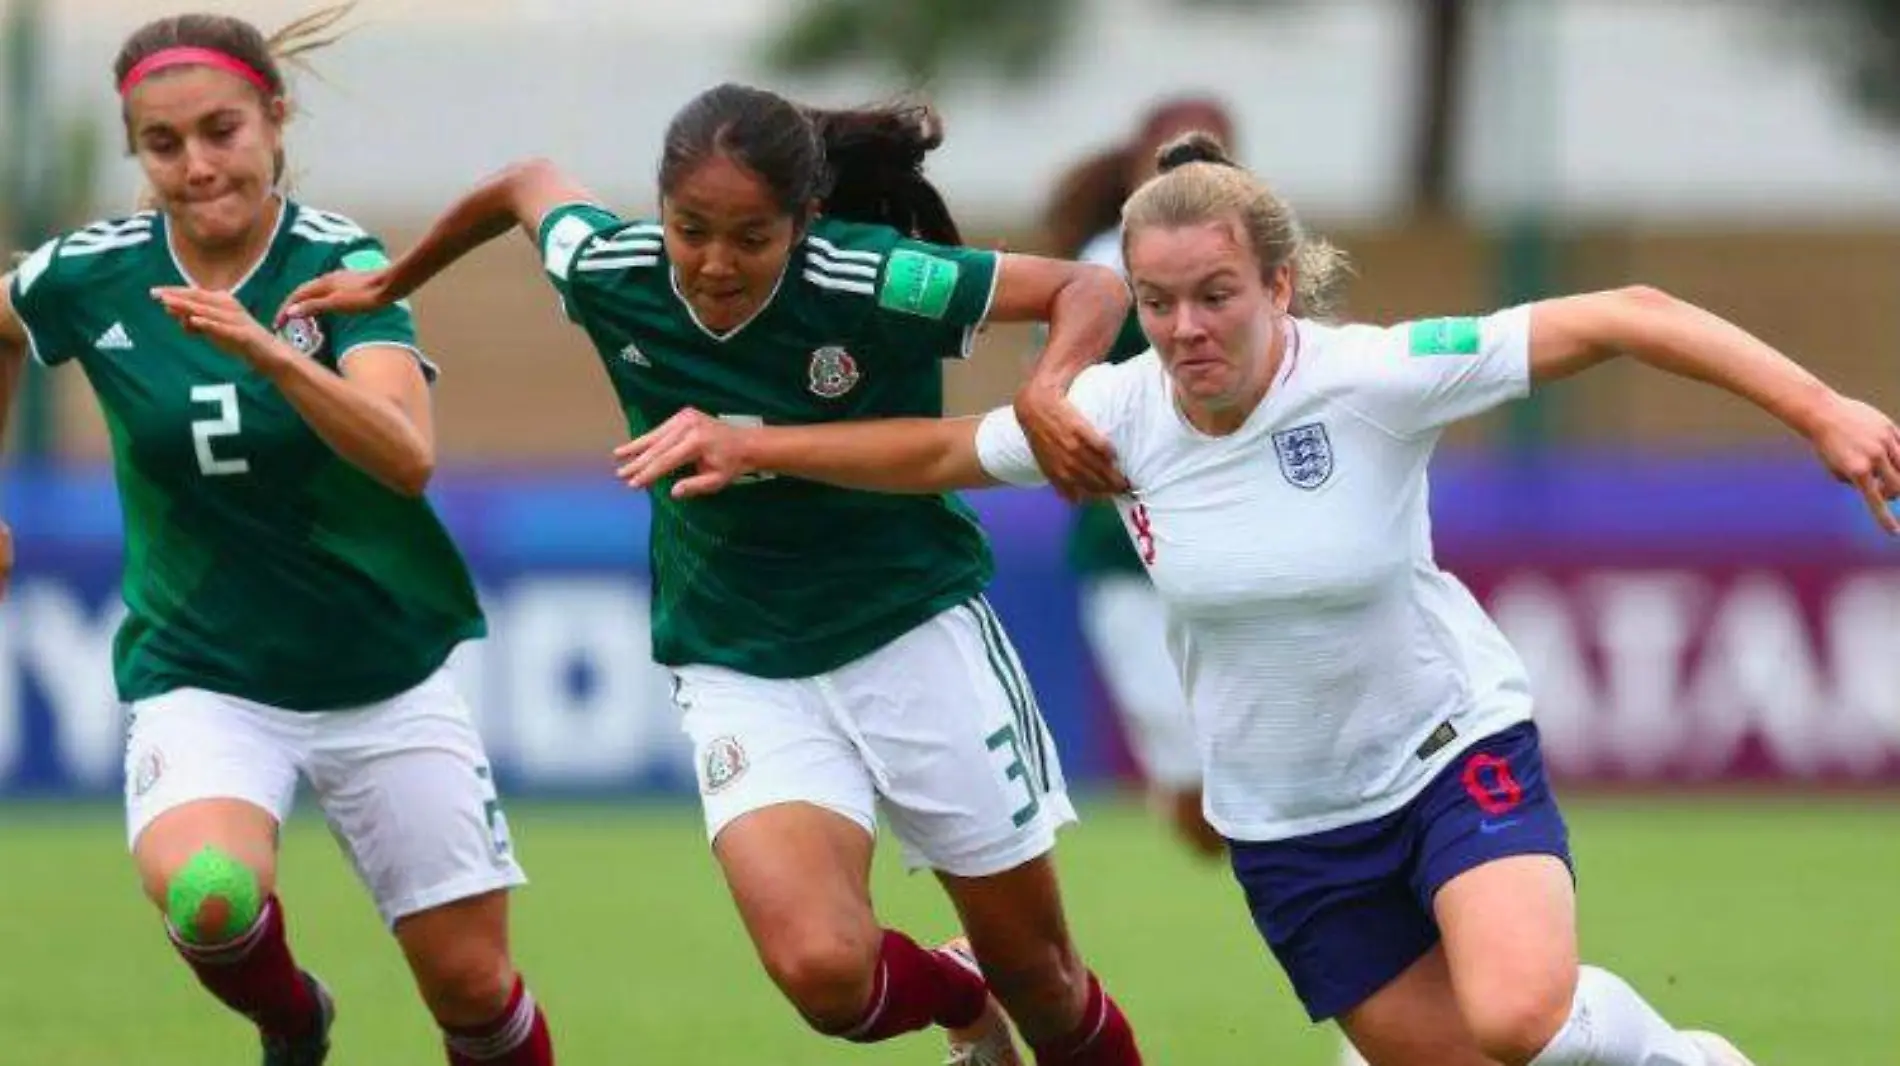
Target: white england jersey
1332	667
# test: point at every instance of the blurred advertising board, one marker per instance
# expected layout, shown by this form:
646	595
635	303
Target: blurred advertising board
1693	622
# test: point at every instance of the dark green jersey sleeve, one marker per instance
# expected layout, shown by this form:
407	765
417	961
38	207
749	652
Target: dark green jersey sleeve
582	245
935	295
391	327
1130	342
38	293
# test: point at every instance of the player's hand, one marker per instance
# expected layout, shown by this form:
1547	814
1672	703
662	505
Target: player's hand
221	319
6	558
343	292
1078	461
692	438
1861	446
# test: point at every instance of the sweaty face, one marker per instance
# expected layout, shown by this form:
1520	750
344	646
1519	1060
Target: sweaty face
1206	310
208	144
728	240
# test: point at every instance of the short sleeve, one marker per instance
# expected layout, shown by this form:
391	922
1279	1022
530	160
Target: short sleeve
386	327
1002	448
933	295
36	296
1426	374
579	240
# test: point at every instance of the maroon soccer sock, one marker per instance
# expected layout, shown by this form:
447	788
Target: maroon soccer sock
915	987
1103	1038
517	1037
254	975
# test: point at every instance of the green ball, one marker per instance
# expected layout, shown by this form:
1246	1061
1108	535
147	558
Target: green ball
213	875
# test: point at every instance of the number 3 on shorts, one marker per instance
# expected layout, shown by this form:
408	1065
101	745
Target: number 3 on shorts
1015	770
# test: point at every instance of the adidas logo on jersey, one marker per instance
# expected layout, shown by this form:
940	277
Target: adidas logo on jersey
632	354
115	339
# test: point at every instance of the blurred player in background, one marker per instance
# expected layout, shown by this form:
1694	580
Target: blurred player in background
1122	619
1365	729
292	597
832	651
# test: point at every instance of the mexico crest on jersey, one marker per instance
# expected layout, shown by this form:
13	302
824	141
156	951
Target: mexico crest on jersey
303	334
1306	455
833	372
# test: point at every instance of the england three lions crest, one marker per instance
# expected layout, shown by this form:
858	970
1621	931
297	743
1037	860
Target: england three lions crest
1306	455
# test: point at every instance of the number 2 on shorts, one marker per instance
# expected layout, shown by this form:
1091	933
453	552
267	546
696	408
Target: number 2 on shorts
1016	770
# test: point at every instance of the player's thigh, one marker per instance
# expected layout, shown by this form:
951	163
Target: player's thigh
406	787
968	778
1413	1020
1494	868
800	875
1126	626
206	771
1510	937
790	807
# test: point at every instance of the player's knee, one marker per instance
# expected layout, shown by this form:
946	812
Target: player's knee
826	975
1514	1024
467	986
1044	988
213	897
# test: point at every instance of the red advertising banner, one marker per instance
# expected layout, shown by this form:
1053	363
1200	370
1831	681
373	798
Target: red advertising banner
1682	673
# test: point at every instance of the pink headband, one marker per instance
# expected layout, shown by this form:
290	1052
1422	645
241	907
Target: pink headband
166	58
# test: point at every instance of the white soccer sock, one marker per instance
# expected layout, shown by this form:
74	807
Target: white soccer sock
1610	1025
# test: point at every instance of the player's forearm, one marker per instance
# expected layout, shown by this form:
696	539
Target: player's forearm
1682	339
1085	317
490	210
368	430
897	455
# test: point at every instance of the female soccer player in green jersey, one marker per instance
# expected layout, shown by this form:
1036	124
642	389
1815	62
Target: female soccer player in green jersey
833	654
292	597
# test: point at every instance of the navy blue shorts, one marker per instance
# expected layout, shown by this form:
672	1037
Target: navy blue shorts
1348	910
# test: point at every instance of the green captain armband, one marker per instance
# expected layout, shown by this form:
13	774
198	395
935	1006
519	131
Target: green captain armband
212	875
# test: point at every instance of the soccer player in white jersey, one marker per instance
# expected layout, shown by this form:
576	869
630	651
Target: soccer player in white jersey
1365	729
1122	618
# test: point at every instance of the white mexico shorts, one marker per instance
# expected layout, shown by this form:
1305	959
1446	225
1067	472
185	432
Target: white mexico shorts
404	783
937	730
1126	626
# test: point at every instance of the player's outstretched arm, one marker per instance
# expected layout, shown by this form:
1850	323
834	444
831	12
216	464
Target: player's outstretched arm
374	411
898	455
13	345
519	195
1085	306
1857	443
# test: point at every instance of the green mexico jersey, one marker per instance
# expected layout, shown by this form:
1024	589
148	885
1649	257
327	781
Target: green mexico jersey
258	562
779	577
1098	544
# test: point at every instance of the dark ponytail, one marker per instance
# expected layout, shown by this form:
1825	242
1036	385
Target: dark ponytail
875	157
1198	146
862	165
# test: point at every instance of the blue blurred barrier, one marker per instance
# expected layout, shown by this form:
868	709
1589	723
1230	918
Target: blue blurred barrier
1684	621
